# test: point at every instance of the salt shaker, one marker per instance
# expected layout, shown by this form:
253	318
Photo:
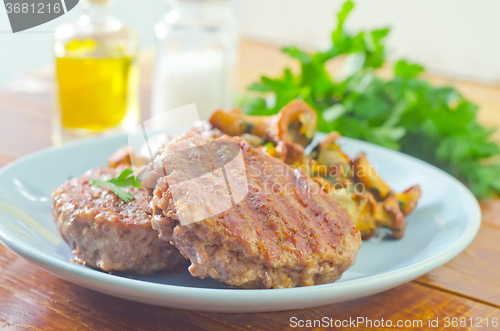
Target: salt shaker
196	55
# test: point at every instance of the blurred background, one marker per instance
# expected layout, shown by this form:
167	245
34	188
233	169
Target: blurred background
76	76
457	38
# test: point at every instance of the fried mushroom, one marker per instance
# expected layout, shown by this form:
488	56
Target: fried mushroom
292	129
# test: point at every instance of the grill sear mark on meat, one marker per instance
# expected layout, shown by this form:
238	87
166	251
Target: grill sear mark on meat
286	232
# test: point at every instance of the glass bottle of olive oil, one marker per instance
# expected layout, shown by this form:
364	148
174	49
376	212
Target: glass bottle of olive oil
96	75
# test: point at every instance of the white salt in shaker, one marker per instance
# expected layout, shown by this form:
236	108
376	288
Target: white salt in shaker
196	55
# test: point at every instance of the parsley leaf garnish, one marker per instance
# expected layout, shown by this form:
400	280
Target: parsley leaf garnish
434	123
125	179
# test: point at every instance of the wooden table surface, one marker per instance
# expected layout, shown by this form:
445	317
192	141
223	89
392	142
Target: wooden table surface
30	298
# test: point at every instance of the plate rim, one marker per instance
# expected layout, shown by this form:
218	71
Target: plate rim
209	296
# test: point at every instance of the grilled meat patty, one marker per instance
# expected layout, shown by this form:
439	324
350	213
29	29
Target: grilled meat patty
286	232
105	232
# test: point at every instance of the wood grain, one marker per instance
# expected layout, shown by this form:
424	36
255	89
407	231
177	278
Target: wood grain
31	298
475	273
491	212
25	125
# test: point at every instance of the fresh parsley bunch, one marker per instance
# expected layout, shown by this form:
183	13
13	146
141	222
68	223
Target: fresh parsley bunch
406	113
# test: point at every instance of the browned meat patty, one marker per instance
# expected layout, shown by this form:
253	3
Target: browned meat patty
286	232
107	233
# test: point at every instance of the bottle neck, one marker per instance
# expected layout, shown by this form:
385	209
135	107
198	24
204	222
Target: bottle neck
95	12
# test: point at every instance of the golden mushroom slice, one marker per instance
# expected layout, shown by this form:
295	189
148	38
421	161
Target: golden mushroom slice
388	214
365	174
329	152
408	199
365	208
236	123
377	206
313	168
361	207
368	214
294	126
254	140
278	151
296	123
330	140
324	184
347	201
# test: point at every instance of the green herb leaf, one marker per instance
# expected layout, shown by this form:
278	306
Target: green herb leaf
259	87
338	35
406	70
297	53
125	179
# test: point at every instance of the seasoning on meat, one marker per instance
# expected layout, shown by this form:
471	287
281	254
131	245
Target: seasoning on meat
105	232
286	232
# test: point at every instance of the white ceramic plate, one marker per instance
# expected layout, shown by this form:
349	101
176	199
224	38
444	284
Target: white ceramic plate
445	221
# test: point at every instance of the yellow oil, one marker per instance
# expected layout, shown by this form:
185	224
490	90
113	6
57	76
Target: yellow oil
95	93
